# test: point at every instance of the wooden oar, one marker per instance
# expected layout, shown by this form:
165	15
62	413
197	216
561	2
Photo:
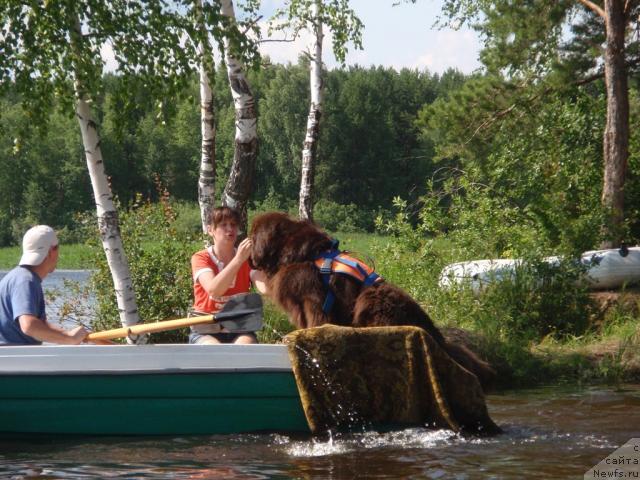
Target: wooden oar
240	314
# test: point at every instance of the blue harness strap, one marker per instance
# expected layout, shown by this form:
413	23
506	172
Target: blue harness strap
334	261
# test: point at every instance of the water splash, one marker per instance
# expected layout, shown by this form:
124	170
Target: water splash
354	421
357	442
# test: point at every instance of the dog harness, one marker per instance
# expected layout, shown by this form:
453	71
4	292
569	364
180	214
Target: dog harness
334	261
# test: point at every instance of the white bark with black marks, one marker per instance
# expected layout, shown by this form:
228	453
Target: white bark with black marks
107	217
207	175
240	183
108	223
310	147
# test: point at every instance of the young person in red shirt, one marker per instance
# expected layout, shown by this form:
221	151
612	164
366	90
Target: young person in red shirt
219	272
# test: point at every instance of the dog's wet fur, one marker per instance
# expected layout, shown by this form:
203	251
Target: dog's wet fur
285	249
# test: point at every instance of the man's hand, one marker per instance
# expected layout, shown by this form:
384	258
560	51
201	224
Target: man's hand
43	332
77	335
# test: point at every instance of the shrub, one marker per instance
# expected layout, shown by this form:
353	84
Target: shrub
540	301
159	260
187	221
6	238
344	218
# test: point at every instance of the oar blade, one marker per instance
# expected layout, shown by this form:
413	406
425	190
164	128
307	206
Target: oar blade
242	303
248	323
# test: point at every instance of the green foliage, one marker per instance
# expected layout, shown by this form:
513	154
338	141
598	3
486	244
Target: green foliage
399	226
346	218
159	259
541	300
545	51
341	20
53	181
187	222
369	150
532	39
538	172
276	325
632	187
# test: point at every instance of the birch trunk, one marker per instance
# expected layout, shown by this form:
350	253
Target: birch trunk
310	146
207	176
107	216
616	134
240	183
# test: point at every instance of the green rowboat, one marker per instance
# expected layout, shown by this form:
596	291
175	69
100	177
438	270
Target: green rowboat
148	390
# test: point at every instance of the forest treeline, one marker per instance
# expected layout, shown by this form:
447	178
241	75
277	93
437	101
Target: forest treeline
464	152
369	149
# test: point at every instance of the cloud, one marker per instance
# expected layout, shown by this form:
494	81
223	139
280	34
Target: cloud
393	37
450	49
289	51
285	51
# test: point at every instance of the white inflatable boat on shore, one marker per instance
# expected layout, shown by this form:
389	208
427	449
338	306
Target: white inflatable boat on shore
606	269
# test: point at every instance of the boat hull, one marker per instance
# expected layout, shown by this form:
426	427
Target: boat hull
219	399
605	269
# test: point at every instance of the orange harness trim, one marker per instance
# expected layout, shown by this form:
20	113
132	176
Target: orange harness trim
334	261
348	265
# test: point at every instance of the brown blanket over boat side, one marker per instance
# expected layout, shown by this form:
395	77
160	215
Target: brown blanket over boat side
381	377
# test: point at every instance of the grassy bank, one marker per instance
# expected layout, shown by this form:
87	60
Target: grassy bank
72	257
533	332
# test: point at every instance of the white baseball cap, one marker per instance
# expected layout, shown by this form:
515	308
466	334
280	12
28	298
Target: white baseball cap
36	244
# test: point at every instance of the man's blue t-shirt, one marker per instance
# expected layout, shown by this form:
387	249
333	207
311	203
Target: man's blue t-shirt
20	294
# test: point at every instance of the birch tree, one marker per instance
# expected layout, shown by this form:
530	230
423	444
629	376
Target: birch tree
108	224
51	55
345	26
216	21
603	42
240	182
207	175
310	146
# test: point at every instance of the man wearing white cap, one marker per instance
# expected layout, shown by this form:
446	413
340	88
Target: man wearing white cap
23	320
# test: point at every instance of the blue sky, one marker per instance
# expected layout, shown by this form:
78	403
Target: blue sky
395	36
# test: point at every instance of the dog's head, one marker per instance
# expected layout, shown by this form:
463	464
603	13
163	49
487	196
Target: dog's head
279	240
268	234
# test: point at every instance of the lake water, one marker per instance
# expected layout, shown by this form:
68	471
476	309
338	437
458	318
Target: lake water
550	433
57	294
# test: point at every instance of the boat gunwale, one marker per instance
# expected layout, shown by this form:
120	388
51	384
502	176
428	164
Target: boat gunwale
173	359
146	371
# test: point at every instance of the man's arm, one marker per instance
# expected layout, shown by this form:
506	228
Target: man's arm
43	332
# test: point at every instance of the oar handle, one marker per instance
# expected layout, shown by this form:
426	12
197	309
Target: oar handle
150	328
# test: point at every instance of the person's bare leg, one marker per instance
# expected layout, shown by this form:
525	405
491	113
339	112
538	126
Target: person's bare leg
207	340
245	340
